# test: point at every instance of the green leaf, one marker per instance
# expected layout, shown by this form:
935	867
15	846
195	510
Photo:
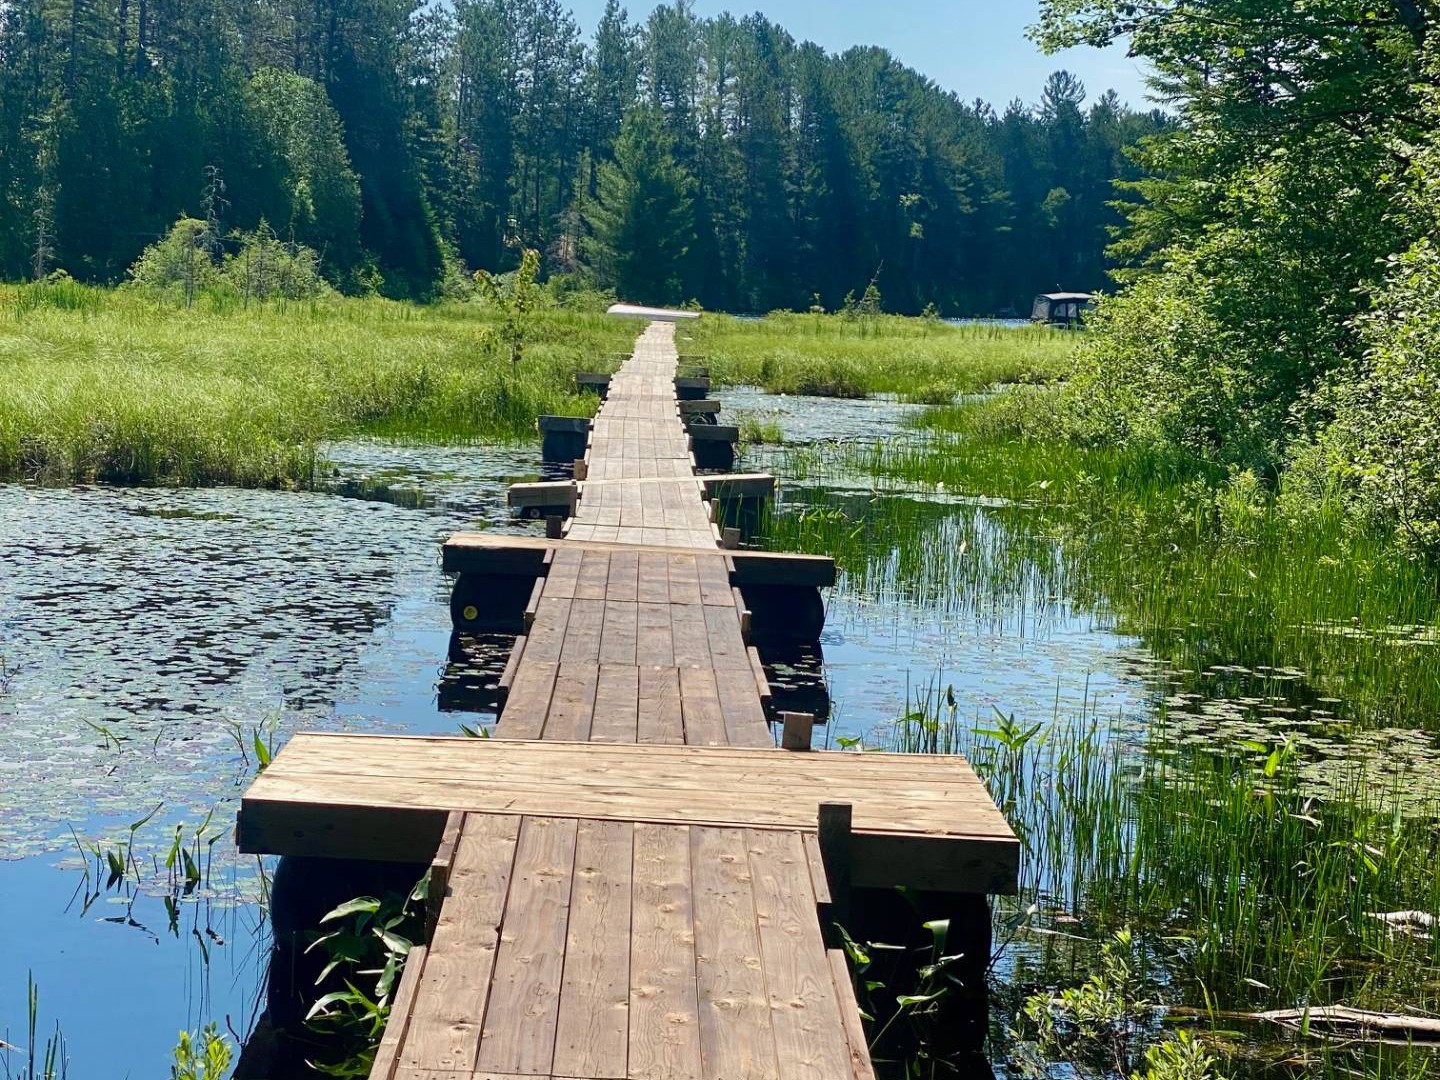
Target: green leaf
366	904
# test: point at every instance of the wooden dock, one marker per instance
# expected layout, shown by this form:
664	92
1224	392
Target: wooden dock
631	882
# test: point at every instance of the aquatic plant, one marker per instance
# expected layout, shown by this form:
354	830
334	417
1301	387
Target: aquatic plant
758	429
1104	1028
365	953
204	1055
49	1061
1210	572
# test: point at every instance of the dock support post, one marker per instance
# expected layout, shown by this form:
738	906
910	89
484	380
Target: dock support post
797	731
835	822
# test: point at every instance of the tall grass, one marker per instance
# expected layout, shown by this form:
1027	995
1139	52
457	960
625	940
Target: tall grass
118	386
834	356
1213	573
1245	893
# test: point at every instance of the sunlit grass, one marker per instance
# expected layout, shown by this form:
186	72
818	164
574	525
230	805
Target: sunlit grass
1245	893
922	360
117	386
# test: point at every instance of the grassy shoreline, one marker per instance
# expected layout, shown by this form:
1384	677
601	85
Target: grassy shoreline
122	386
921	360
115	386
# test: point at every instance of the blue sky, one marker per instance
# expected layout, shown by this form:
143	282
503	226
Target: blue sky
977	48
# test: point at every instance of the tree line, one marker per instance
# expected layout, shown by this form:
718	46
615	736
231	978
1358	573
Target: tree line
713	159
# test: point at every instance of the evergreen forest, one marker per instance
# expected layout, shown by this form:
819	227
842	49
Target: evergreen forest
671	158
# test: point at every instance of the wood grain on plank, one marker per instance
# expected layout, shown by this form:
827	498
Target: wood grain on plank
700	708
620	632
736	1036
664	1011
660	719
654	638
528	702
810	1039
521	1014
583	632
547	631
617	704
572	703
593	1030
454	987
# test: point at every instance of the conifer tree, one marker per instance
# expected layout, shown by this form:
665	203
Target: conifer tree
642	222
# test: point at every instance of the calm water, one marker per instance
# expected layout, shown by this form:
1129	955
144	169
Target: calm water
149	637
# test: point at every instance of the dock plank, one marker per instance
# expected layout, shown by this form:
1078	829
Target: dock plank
664	1010
454	988
593	1030
523	1010
804	1008
735	1037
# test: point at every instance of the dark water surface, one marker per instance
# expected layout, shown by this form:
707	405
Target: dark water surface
150	637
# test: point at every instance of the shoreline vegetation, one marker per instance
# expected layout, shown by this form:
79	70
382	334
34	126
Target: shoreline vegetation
133	385
124	387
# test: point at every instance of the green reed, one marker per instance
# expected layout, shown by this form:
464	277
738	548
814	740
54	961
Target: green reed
119	386
1208	571
837	356
1244	892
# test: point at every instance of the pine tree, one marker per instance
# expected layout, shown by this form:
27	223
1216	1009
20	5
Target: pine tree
642	222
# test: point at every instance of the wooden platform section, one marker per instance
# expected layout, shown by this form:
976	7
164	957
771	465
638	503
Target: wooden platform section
919	820
528	556
617	950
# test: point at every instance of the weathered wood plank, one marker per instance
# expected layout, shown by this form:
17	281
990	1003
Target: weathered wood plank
523	1010
528	702
664	1010
736	1038
660	718
617	704
804	1009
387	1054
572	703
454	988
593	1030
855	1037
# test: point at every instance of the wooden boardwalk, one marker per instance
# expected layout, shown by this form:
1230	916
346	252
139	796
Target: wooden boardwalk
638	646
630	881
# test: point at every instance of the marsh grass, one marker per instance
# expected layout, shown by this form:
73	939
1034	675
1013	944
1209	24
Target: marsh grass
1213	574
1244	892
922	360
117	386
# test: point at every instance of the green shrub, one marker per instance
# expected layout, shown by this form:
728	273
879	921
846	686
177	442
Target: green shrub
265	268
1385	442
